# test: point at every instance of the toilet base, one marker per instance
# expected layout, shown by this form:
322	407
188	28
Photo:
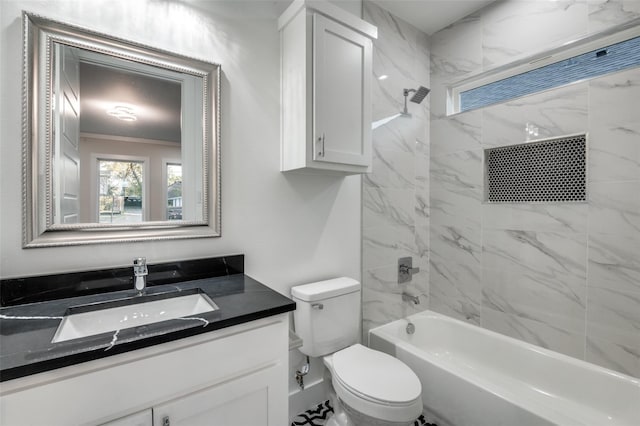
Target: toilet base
339	416
343	415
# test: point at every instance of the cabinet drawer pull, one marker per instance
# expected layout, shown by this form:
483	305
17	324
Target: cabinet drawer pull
320	146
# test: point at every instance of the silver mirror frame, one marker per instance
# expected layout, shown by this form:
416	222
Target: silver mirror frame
39	34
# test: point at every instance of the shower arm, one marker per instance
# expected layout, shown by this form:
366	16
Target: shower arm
406	92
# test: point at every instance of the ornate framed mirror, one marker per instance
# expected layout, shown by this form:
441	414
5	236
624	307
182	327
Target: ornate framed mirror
120	140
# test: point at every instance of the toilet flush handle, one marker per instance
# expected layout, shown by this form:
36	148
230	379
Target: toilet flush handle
318	306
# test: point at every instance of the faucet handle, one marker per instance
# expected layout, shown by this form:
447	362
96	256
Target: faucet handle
140	266
406	269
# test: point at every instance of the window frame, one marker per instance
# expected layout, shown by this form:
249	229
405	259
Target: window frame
165	178
563	51
96	158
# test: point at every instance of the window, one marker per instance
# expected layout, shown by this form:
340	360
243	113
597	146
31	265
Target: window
582	60
174	191
120	192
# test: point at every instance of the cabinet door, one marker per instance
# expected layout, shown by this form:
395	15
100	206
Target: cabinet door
342	93
254	399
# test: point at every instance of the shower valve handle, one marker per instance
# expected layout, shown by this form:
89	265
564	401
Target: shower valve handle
406	269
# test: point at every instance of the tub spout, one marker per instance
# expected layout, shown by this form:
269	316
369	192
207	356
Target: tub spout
406	297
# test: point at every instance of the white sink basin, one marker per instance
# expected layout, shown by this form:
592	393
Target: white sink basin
102	318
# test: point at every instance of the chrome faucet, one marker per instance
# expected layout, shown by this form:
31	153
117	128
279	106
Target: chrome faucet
406	297
140	273
415	299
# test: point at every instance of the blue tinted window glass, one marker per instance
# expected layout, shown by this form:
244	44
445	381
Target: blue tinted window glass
616	57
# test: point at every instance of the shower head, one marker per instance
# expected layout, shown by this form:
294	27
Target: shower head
418	96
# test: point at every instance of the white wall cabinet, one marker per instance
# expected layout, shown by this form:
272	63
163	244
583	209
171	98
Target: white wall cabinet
326	89
231	377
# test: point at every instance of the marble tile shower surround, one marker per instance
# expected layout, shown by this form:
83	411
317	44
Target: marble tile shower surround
563	276
396	195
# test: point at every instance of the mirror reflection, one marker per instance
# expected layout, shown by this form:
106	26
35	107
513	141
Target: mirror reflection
119	133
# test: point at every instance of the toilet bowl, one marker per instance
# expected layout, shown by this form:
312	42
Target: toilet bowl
375	387
368	387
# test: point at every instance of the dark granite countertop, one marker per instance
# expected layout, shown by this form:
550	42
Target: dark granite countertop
26	330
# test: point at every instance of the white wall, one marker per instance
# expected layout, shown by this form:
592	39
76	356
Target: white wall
292	228
352	6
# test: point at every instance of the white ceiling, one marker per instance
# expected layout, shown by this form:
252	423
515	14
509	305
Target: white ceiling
431	16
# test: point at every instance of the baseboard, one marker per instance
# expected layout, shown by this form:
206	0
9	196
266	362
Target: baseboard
313	394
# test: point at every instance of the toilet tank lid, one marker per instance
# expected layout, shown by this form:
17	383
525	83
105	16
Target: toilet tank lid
322	290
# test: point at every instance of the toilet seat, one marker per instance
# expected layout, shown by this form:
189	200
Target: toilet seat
376	384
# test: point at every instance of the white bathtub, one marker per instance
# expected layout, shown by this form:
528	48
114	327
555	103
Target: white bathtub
474	377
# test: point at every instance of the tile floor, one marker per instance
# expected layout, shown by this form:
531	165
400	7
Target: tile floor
320	414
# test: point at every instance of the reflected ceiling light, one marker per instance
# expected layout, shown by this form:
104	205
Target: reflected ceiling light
123	113
383	77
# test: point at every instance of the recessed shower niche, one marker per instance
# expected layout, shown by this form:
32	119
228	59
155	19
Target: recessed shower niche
545	171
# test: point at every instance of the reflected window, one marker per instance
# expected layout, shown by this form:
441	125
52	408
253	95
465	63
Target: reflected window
174	191
121	197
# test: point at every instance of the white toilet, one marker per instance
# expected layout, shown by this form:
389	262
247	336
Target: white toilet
372	388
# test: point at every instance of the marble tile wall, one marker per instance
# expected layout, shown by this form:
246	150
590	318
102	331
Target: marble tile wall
565	277
562	276
396	194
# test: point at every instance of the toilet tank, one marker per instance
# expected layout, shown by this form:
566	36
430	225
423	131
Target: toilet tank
327	315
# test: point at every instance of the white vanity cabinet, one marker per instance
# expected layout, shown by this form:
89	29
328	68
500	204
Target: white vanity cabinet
240	402
235	376
326	67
